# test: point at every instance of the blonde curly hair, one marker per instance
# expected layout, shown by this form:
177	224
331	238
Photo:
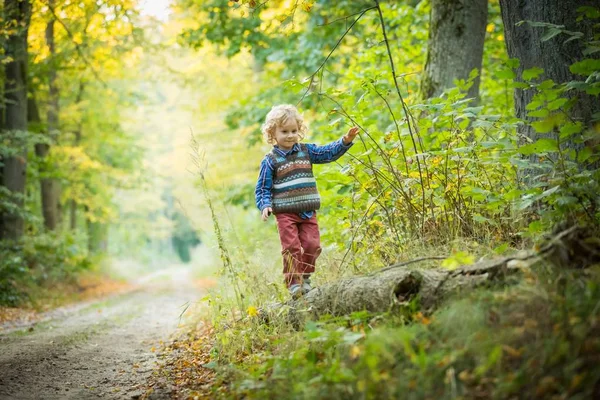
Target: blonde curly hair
279	115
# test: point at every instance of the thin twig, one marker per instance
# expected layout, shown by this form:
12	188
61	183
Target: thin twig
404	264
362	220
344	18
312	77
404	107
389	107
77	47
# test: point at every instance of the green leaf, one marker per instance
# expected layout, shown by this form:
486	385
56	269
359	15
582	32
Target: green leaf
506	74
539	146
547	193
463	124
591	50
535	103
501	249
585	67
519	85
532	73
549	34
584	154
593	90
513	194
558	103
569	129
544	126
541	113
535	227
574	36
547	84
513	63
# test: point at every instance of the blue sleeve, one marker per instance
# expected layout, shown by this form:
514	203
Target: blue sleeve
262	192
327	153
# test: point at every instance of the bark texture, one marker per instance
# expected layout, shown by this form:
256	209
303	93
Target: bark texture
17	14
455	48
553	56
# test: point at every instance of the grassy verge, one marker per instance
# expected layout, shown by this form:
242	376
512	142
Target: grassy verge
538	338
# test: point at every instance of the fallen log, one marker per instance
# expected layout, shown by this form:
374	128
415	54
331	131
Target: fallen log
397	285
394	287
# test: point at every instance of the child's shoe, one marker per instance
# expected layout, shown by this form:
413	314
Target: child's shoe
296	291
306	285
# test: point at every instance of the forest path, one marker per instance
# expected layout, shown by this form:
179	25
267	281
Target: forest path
102	351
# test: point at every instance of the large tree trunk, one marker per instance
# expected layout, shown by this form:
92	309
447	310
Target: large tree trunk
17	13
554	56
455	48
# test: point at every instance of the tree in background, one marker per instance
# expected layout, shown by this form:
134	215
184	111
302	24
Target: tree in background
455	48
49	187
548	38
17	14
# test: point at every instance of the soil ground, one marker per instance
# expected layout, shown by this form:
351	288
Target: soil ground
104	349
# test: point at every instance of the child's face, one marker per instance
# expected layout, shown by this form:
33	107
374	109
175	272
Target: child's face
286	134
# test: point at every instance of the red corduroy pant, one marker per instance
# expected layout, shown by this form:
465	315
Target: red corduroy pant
300	245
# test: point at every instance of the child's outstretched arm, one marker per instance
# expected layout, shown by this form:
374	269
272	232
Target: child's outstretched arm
262	192
332	151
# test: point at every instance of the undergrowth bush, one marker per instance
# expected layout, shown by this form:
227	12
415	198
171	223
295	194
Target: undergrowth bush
38	261
538	339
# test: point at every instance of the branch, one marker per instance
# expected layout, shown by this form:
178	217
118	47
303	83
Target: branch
404	108
346	17
77	47
312	77
404	264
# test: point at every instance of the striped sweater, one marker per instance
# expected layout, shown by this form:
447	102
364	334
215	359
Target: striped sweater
294	185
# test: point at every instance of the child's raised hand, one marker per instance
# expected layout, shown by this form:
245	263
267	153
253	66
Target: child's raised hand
266	212
349	137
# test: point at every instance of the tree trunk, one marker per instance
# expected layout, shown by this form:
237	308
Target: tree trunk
73	203
455	48
16	13
97	237
48	190
554	56
51	187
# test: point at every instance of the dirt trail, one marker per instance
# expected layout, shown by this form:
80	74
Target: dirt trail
102	351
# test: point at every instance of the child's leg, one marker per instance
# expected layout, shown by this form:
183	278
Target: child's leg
287	225
310	240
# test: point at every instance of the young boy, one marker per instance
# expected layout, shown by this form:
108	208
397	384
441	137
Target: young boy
287	188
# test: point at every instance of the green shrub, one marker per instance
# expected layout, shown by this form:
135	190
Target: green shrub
38	261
